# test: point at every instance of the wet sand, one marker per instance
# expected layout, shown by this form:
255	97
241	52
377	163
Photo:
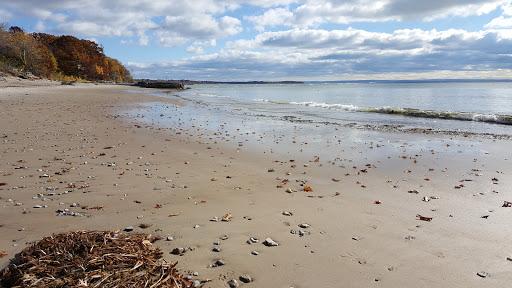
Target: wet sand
83	149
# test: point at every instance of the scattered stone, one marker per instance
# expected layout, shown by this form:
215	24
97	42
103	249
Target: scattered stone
216	249
287	213
270	243
245	278
128	229
178	251
218	263
304	225
252	240
233	283
256	253
169	238
224	237
483	274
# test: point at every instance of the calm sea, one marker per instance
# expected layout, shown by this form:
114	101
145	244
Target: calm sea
477	107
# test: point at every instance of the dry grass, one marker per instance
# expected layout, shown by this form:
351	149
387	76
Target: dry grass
92	259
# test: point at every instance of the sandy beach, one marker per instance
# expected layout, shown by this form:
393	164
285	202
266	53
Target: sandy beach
354	209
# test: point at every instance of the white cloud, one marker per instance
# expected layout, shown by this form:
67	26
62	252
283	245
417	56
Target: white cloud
323	53
271	17
314	12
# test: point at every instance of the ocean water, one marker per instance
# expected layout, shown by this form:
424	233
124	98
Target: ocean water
447	107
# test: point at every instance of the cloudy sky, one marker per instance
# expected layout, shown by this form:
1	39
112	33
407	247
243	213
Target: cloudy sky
286	39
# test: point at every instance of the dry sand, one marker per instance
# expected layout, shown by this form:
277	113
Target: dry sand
70	147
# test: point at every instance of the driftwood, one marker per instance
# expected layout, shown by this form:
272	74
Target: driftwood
92	259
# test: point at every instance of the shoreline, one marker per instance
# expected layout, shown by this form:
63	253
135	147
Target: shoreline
79	137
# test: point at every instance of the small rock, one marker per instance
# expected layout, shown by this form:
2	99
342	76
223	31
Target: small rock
245	278
304	225
287	213
216	249
233	283
252	240
255	253
270	243
169	238
128	229
483	274
178	251
218	263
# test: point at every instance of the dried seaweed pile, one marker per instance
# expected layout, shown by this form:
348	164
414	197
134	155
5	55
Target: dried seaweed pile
92	259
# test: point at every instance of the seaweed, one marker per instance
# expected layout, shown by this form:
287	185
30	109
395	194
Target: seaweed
92	259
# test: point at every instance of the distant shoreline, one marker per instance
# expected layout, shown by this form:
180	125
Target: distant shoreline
193	82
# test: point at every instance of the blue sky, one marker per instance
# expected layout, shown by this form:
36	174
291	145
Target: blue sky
286	39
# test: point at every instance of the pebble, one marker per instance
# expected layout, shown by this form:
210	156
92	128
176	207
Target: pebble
218	263
233	283
483	274
270	243
216	249
252	240
255	253
169	238
304	225
245	278
128	229
178	251
287	213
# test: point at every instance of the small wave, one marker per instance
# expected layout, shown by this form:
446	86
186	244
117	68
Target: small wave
409	112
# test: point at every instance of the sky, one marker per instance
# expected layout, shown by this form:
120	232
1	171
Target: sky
285	39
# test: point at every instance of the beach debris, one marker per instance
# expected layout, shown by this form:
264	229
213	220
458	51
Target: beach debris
287	213
335	180
67	212
423	218
413	192
270	243
377	202
307	188
409	237
507	204
98	258
271	170
215	219
245	278
3	183
509	258
483	274
3	254
233	283
304	225
224	237
426	199
485	216
216	248
256	253
227	217
169	238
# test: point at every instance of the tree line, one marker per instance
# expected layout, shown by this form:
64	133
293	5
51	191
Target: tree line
57	57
